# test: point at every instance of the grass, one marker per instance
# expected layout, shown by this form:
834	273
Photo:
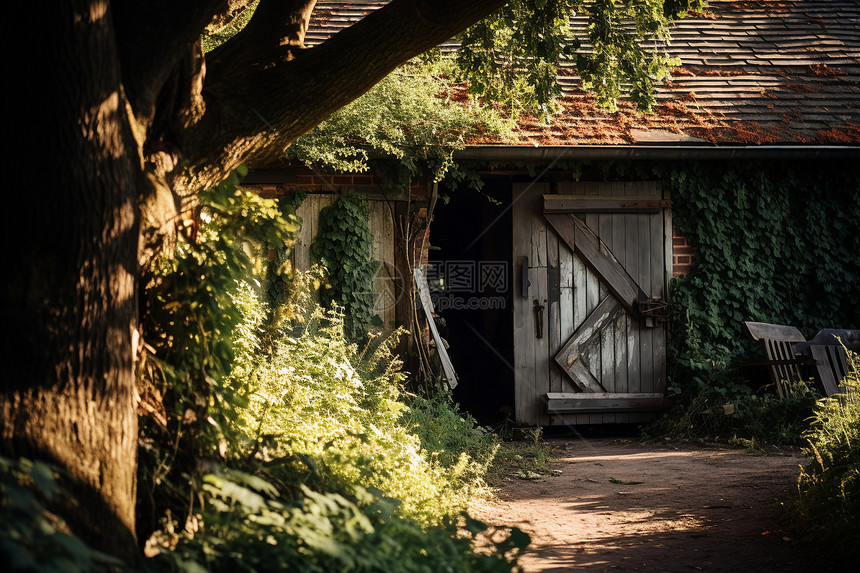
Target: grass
526	456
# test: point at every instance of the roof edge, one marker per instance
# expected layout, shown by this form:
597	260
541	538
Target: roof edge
559	152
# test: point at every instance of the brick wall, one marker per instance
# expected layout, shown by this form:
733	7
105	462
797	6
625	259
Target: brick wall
683	255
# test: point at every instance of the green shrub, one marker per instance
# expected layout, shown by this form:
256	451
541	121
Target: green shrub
452	439
321	406
245	526
754	420
188	321
776	243
334	478
827	505
401	118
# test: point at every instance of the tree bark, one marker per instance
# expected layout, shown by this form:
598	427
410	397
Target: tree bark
69	300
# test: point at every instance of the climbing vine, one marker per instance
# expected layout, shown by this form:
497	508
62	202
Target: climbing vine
343	246
774	242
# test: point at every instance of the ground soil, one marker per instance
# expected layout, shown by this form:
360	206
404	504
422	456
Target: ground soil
697	508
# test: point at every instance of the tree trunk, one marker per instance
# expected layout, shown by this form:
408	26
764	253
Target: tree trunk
70	230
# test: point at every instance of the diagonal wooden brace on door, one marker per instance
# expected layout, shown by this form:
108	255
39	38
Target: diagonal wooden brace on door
575	355
584	242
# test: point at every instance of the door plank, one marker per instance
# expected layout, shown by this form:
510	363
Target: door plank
658	279
586	243
601	396
605	402
565	308
427	305
540	346
580	293
607	338
593	291
620	344
668	231
646	335
525	411
553	311
587	204
590	329
634	358
618	248
601	259
583	378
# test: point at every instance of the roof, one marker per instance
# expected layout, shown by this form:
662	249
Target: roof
753	73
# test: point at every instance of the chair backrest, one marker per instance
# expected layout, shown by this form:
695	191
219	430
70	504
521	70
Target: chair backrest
827	350
779	342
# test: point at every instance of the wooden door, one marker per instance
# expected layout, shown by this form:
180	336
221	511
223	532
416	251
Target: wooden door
589	346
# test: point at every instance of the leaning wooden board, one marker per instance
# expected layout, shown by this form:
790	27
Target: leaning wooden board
427	305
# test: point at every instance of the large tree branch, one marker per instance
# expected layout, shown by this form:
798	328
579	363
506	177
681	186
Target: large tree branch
152	38
255	110
276	29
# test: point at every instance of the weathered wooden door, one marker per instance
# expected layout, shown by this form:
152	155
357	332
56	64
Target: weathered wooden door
589	339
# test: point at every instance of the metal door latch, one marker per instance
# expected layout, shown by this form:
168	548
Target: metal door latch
539	317
652	311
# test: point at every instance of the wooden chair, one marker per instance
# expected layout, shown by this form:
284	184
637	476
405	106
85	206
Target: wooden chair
779	342
827	353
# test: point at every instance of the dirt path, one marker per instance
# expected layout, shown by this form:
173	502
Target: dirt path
696	509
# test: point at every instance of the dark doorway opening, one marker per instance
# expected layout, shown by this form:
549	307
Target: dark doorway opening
471	280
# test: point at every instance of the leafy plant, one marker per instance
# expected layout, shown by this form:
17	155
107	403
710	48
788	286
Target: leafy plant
246	526
525	456
32	538
826	507
343	246
453	439
188	318
774	243
409	124
324	410
513	56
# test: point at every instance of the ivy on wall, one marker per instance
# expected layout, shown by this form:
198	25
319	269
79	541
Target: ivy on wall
343	246
776	242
